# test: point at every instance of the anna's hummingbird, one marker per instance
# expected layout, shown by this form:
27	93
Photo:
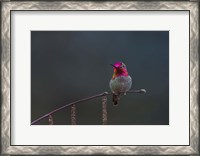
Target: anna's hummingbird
120	82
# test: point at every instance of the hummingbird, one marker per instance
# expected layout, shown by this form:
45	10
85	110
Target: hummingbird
120	82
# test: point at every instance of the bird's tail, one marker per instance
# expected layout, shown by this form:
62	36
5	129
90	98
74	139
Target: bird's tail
115	99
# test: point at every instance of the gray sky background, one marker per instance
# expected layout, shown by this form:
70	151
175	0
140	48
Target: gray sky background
70	65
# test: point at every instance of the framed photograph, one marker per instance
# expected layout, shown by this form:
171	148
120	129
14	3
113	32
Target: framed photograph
107	78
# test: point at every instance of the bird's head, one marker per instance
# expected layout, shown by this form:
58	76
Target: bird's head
119	69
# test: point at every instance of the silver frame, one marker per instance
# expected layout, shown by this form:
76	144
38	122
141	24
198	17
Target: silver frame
193	7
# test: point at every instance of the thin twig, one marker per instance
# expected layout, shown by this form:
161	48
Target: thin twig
82	100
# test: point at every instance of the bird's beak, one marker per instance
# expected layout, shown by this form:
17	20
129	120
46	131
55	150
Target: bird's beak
113	66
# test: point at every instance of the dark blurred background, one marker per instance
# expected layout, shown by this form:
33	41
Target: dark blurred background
70	65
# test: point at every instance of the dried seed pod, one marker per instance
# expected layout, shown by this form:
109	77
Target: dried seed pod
104	110
50	120
73	114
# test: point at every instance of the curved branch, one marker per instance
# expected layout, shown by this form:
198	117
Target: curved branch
82	100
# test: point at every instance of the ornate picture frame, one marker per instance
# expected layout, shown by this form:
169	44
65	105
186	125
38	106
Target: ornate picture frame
6	45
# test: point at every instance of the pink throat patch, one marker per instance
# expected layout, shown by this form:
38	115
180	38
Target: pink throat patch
122	72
